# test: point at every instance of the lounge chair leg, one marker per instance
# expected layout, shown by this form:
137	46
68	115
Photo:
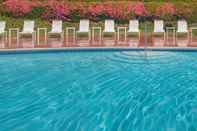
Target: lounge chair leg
103	38
164	35
62	37
9	38
66	37
2	38
32	38
89	39
6	36
118	35
38	37
100	38
18	37
139	38
76	39
125	35
45	37
115	38
188	38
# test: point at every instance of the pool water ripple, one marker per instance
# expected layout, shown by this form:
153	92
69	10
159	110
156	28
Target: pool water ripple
99	91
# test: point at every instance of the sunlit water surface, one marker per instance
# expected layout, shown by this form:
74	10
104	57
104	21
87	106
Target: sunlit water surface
99	91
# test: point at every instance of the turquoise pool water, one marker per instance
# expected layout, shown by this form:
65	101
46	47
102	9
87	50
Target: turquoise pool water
99	91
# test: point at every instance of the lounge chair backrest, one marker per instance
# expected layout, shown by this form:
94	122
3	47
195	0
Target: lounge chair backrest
182	26
133	26
84	26
2	26
158	26
109	26
56	26
28	26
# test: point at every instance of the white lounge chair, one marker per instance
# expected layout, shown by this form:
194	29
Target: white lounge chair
159	30
159	26
109	28
28	29
133	26
84	26
3	32
57	29
182	28
133	30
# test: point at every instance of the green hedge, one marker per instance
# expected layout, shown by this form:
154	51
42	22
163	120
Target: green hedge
150	5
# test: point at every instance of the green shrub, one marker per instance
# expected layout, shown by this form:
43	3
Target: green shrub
36	12
186	9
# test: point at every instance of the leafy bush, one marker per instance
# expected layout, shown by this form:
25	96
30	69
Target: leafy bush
96	11
79	11
37	10
120	10
166	11
114	11
18	7
56	10
136	10
184	11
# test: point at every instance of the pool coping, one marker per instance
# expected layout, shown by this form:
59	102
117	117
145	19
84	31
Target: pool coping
62	49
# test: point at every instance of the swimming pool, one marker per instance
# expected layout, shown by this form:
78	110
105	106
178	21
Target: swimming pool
99	91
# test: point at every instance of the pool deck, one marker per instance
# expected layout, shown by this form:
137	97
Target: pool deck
153	44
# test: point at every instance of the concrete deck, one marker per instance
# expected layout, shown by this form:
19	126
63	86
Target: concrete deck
106	44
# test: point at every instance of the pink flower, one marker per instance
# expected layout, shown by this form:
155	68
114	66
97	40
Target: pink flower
109	9
79	9
139	9
96	10
136	10
114	10
130	7
56	10
18	7
166	9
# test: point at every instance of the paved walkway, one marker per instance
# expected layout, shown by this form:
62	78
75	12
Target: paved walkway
105	43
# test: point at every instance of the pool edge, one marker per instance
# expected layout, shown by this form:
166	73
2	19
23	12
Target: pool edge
40	50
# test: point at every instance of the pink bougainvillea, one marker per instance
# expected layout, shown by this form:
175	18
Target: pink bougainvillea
136	10
130	7
115	11
96	9
139	9
56	10
121	11
166	10
108	10
18	7
79	10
